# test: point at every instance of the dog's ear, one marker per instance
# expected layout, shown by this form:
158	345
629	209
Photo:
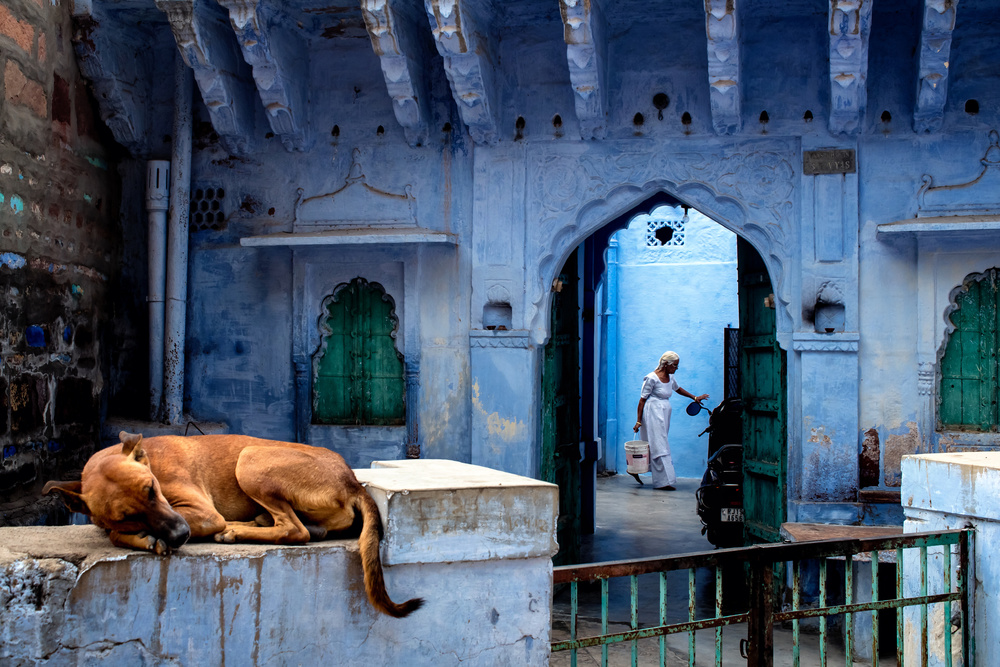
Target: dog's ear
132	446
70	493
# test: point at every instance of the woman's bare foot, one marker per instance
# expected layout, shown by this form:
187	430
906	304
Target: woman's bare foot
641	483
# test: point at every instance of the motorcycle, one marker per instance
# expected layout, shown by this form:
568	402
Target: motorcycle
720	496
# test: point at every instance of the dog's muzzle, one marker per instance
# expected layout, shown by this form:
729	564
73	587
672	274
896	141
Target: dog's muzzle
172	529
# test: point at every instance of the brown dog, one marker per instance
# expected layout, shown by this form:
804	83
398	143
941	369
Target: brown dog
154	494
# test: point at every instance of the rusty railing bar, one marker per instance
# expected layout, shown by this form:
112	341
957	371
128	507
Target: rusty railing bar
691	619
946	563
874	557
896	603
758	553
849	616
899	616
646	633
823	617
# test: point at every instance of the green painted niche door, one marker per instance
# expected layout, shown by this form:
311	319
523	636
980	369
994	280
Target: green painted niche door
970	367
560	450
359	374
763	390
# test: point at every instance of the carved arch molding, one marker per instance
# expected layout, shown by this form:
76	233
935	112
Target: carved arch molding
749	188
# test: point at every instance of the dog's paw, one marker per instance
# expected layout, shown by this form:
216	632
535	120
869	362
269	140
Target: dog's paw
226	537
159	546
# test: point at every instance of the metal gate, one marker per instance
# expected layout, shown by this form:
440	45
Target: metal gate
763	610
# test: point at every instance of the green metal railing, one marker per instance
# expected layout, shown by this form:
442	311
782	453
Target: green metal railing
764	611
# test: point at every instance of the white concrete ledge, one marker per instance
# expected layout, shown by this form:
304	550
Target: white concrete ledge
67	597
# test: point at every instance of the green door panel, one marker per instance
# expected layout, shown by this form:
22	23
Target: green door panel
359	373
970	369
560	447
763	390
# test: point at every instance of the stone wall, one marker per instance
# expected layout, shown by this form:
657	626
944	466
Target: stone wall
476	544
58	256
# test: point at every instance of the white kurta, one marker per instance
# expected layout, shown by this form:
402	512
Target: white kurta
656	425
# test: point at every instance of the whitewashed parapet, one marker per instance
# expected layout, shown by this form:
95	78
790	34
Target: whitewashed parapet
208	47
461	37
723	31
393	35
850	26
476	544
935	54
278	67
116	62
586	52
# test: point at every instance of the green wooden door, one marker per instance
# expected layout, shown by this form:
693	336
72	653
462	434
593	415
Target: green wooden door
970	377
358	371
763	389
560	449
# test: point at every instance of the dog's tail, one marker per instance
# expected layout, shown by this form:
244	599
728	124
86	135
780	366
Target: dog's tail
371	562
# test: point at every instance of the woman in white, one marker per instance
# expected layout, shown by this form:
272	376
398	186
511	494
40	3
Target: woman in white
653	419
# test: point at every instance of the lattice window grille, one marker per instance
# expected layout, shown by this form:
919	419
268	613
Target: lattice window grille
676	240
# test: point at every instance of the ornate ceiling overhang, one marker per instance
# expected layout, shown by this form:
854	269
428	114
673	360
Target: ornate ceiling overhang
725	90
935	54
208	46
850	26
586	52
462	38
276	57
112	57
396	42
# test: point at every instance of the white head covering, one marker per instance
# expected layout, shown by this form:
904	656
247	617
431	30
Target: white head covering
667	358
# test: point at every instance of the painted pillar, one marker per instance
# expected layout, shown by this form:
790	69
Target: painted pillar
157	203
611	446
824	433
505	367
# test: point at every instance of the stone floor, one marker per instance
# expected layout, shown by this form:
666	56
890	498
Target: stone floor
636	522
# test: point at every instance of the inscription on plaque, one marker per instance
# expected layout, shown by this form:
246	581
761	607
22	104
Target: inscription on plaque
835	161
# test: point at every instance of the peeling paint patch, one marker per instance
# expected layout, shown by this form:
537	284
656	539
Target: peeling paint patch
507	429
76	290
12	260
868	462
35	336
820	437
98	162
16	204
897	446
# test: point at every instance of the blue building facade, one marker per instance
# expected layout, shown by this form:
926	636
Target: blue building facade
456	152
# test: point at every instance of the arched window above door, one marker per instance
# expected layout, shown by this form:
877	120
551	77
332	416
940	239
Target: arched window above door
357	371
970	367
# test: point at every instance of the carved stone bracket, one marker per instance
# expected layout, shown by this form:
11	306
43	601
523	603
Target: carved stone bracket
116	62
278	70
926	376
935	54
394	39
586	48
206	43
850	26
749	191
722	28
469	64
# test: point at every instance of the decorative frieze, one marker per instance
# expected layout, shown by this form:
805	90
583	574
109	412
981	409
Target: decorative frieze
403	64
518	339
725	91
586	48
850	26
935	56
981	195
834	342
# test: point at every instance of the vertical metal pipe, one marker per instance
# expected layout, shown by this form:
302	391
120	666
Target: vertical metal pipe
946	554
899	610
604	621
663	617
718	614
796	605
634	596
875	612
965	585
822	619
611	348
574	609
691	600
177	246
157	202
923	608
849	599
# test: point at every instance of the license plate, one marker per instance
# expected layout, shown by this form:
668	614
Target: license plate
732	514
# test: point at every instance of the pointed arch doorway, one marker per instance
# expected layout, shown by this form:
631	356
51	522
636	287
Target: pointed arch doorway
570	398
